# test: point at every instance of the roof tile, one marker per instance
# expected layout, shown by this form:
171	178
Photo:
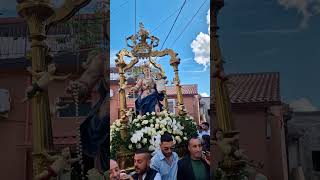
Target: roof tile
254	87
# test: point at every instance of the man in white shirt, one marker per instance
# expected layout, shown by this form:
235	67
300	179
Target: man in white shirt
165	161
205	129
142	167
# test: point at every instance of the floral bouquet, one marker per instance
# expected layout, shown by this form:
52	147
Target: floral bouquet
146	130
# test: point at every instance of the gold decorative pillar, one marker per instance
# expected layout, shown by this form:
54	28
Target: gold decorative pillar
181	109
124	156
39	15
221	95
123	103
122	94
36	13
222	104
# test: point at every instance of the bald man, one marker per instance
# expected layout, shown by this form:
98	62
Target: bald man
114	172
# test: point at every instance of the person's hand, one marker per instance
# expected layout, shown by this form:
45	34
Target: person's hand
125	176
206	156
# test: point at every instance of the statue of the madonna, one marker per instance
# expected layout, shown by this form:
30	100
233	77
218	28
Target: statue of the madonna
149	98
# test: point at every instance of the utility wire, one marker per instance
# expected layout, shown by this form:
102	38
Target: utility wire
173	24
188	23
118	8
135	16
165	20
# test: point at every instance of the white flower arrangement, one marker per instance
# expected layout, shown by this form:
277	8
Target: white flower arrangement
146	130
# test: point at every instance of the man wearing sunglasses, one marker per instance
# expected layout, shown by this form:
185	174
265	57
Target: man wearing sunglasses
165	160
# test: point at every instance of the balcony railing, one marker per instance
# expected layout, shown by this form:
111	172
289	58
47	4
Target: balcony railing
63	38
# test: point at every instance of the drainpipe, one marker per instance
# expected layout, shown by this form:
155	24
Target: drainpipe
26	135
287	116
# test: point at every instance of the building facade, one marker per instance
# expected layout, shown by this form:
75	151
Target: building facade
257	112
15	116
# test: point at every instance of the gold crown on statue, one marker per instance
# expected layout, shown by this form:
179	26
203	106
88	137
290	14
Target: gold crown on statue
140	46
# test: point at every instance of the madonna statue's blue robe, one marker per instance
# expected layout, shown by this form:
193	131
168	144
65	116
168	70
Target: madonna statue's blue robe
95	132
148	103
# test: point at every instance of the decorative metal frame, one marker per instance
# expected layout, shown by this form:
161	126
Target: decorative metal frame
141	49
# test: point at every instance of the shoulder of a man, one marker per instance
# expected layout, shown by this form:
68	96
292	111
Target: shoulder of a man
153	173
157	176
157	156
155	161
182	161
175	156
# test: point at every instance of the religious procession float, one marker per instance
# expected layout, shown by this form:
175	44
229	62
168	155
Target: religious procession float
143	125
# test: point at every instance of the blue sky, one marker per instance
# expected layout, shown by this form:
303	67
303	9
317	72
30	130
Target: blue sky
152	13
266	36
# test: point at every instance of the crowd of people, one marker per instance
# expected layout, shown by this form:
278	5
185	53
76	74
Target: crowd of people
165	164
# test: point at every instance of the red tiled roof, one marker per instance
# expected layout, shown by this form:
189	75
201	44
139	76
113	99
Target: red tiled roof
191	89
254	87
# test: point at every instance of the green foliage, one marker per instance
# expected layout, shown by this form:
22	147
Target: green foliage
115	144
86	33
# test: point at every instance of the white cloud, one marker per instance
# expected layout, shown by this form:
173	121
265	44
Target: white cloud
204	94
302	105
201	49
306	8
201	46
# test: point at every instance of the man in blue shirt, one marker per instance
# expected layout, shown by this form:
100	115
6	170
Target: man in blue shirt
165	160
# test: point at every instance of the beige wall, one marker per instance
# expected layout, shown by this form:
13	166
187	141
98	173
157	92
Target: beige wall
12	130
16	135
251	122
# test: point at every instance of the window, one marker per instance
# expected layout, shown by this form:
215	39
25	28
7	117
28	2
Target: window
70	111
316	160
4	100
171	105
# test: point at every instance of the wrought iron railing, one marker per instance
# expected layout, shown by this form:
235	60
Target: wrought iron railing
70	37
